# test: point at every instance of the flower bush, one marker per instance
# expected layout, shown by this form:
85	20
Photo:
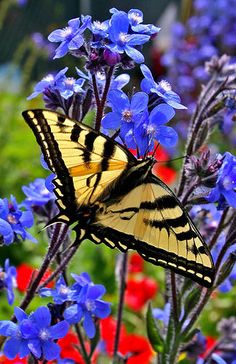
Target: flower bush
71	321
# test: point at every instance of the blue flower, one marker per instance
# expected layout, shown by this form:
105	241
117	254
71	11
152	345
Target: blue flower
224	191
37	193
48	82
136	18
100	29
60	294
14	221
161	89
16	344
67	86
88	304
151	127
125	112
70	37
8	278
122	41
40	335
162	315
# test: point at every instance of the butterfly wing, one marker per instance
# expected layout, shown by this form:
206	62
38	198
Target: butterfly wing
85	162
152	221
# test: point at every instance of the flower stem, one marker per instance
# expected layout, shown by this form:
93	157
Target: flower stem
61	267
123	274
174	298
54	245
83	349
101	105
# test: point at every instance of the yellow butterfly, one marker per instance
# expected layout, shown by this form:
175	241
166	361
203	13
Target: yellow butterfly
115	198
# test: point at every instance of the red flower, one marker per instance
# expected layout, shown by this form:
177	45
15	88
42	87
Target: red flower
139	291
210	342
24	275
4	360
136	347
70	349
136	263
108	330
166	174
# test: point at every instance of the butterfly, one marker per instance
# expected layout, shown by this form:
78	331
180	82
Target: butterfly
114	198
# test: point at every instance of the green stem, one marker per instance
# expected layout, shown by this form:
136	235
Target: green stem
101	105
83	349
123	273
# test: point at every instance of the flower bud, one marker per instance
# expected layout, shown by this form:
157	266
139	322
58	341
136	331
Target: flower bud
111	58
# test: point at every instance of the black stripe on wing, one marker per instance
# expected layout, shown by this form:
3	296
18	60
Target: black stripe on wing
64	187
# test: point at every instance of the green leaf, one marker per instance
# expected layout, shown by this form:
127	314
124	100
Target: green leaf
192	300
153	332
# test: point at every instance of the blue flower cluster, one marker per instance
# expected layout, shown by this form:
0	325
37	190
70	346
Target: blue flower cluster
84	298
120	36
224	191
206	33
33	334
138	120
208	217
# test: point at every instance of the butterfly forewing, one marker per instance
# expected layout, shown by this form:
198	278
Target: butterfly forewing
84	161
151	220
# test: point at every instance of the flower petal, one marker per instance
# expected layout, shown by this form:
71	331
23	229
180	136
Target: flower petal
167	136
59	330
76	42
51	350
8	328
134	54
6	232
103	309
23	350
119	101
11	348
89	326
42	317
147	73
161	114
35	347
57	35
96	291
20	314
111	120
73	314
138	39
139	102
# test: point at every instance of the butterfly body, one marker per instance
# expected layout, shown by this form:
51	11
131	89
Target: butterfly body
115	199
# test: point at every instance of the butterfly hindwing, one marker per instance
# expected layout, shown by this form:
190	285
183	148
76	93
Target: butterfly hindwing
151	220
85	162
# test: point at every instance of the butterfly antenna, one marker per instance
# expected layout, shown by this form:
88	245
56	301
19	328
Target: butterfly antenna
174	159
115	134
